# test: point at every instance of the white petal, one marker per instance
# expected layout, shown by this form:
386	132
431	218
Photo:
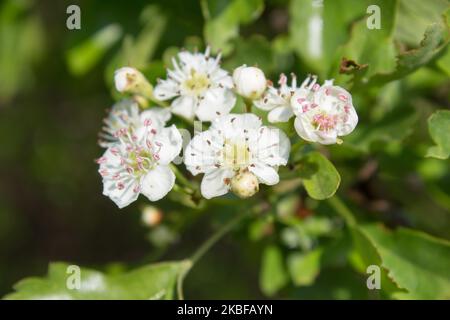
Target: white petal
237	122
266	174
184	106
280	114
305	130
200	155
157	183
272	147
272	99
350	125
216	102
328	137
266	106
308	133
170	142
166	89
123	196
221	77
213	183
186	58
158	115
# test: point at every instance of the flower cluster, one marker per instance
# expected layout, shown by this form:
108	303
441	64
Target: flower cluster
237	152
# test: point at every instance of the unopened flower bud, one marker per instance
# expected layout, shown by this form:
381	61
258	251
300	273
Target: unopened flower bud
245	184
250	82
151	216
130	80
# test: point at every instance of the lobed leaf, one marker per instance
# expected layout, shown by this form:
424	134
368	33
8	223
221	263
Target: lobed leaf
416	261
154	281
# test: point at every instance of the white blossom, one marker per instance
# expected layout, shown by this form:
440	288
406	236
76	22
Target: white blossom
278	100
125	115
237	153
198	84
249	82
323	113
139	163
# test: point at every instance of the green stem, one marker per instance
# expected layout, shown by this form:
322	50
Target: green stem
248	105
342	209
205	9
158	102
200	252
181	178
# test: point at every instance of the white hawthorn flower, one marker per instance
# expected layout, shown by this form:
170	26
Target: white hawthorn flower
139	163
278	100
125	115
131	80
237	153
323	113
249	82
198	84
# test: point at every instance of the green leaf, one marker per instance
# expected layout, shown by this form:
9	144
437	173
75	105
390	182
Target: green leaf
438	126
304	267
81	58
222	23
273	275
423	13
320	177
435	39
22	44
138	51
255	50
317	31
372	48
393	127
154	281
444	62
416	261
364	255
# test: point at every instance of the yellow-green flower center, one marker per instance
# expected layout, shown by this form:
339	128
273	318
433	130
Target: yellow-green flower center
236	154
197	83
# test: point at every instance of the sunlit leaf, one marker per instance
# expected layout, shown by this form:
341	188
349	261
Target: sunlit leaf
435	39
81	58
423	13
22	43
374	48
439	125
273	275
223	22
320	177
254	51
138	51
304	267
316	31
155	281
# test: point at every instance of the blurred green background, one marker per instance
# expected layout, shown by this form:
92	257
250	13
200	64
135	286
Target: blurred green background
55	85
